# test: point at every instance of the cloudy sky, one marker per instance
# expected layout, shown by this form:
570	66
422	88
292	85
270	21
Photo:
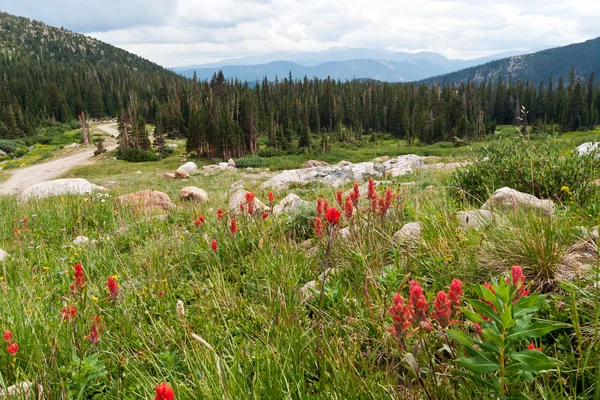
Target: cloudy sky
185	32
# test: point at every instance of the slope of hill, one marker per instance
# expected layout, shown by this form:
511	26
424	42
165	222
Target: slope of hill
52	73
536	67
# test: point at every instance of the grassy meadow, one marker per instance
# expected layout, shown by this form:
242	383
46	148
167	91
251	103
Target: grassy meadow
235	322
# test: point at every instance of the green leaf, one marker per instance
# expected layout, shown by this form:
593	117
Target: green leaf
507	319
473	316
534	361
485	309
531	331
460	337
483	363
528	305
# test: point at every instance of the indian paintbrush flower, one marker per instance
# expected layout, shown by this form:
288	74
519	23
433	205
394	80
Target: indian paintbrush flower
164	392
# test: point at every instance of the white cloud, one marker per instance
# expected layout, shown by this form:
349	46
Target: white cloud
184	32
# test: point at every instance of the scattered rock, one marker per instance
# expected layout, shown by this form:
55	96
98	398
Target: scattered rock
314	163
169	175
138	172
594	234
328	272
72	146
345	233
289	204
507	198
188	167
445	166
172	146
23	390
193	193
111	184
587	148
381	159
231	163
3	255
334	175
410	232
403	165
306	244
181	174
596	182
80	240
59	187
146	201
239	197
476	219
307	290
3	154
222	166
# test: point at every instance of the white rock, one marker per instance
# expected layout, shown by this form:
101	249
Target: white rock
231	163
72	146
403	165
306	290
289	204
2	153
59	187
193	193
239	197
410	232
381	159
509	199
345	233
172	146
587	148
475	219
138	172
3	255
188	167
80	240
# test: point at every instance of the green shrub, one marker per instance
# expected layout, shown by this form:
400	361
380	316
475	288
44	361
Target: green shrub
539	170
271	152
137	155
250	161
7	146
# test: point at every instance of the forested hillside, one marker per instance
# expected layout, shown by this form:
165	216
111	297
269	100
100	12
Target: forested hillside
536	67
52	73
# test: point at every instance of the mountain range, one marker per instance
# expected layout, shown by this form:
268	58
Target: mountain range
340	63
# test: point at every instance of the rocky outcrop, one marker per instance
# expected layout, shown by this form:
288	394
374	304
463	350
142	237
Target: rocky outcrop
381	159
59	187
587	148
510	199
193	193
314	163
222	166
239	197
231	163
189	167
474	219
410	232
289	204
2	153
403	165
146	201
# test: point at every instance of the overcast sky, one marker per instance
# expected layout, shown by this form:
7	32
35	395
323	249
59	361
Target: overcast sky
184	32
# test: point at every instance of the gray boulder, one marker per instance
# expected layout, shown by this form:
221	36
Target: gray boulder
403	165
188	167
410	232
59	187
289	204
475	219
510	199
239	197
193	193
587	148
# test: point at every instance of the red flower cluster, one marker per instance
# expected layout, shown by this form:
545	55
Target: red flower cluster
113	288
213	245
12	348
265	215
164	392
233	226
95	330
333	215
69	312
339	198
355	195
415	314
349	207
248	204
518	281
79	277
199	221
531	346
219	214
379	205
318	227
270	196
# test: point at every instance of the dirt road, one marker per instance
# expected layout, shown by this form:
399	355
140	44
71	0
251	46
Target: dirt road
22	178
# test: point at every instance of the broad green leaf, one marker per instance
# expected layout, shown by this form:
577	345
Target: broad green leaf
485	309
534	361
507	319
491	383
481	364
528	305
473	316
489	296
531	331
460	337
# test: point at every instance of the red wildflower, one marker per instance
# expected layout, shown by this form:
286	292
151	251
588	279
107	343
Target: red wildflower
418	304
219	213
319	206
113	288
79	278
249	203
265	215
375	203
214	245
12	349
455	292
338	197
442	306
318	226
389	196
199	221
333	215
531	346
69	312
8	336
270	196
95	330
348	208
371	189
518	280
401	314
325	206
233	226
164	392
355	194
